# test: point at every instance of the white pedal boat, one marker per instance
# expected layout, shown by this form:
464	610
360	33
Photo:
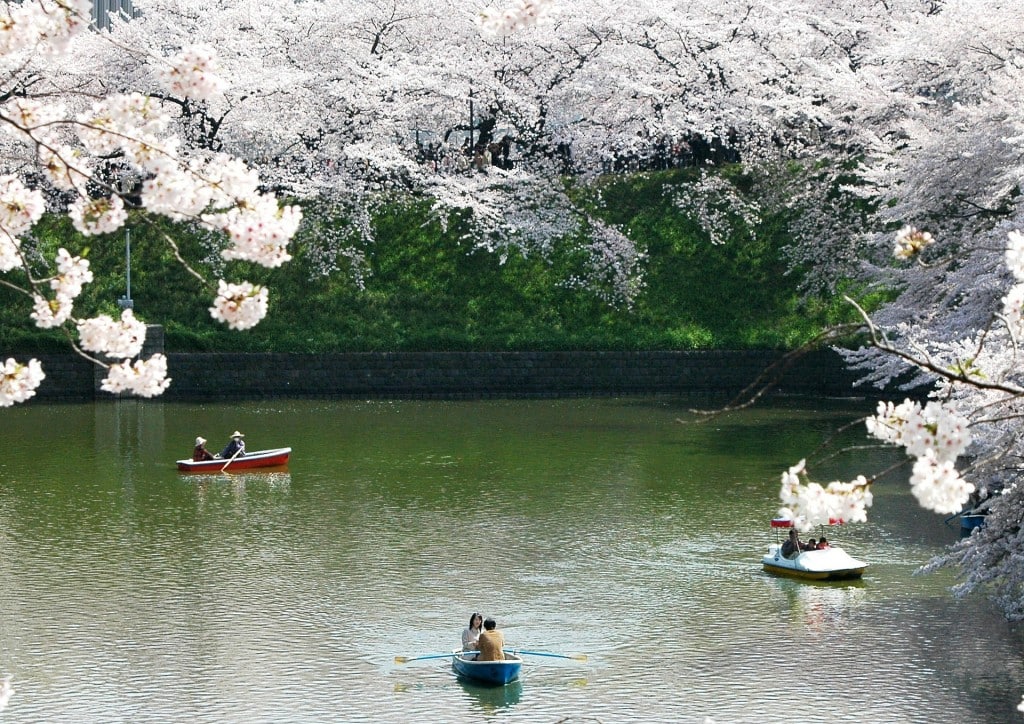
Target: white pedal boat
827	564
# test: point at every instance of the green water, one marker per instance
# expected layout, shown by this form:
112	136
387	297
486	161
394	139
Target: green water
132	593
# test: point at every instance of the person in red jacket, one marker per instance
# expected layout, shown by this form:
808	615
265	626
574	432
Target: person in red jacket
200	452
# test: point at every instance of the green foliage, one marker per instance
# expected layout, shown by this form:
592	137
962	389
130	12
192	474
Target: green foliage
427	288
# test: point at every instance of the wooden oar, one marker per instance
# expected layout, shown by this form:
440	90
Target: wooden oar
406	659
575	657
231	460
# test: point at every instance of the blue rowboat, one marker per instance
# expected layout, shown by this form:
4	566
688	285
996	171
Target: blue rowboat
497	673
970	521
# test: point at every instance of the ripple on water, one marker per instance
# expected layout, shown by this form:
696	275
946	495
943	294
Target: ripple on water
134	594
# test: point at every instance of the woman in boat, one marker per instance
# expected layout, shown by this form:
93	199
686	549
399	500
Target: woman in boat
471	634
199	452
235	446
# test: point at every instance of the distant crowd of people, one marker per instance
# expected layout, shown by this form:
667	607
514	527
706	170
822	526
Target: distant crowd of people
642	154
441	157
667	152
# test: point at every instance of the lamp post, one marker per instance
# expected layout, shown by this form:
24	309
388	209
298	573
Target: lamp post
471	117
126	302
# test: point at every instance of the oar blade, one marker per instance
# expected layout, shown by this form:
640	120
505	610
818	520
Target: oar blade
407	659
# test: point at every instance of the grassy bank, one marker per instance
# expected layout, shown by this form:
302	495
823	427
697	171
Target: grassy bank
425	289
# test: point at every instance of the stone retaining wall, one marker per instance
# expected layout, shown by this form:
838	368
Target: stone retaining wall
446	375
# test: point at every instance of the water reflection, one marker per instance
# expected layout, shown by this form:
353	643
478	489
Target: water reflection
239	486
490	699
280	480
599	527
817	606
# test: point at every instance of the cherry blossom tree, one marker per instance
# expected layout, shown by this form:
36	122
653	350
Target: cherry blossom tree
327	99
889	133
942	150
893	132
853	120
62	138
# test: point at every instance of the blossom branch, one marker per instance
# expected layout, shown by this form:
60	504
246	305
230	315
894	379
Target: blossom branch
879	341
769	377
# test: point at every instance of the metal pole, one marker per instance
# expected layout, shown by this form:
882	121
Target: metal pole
128	264
125	302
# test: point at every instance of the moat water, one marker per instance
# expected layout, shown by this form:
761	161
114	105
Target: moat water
132	593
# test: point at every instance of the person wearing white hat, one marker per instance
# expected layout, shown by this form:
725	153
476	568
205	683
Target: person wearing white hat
200	452
235	446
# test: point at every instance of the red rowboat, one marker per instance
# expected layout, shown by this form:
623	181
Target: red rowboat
275	458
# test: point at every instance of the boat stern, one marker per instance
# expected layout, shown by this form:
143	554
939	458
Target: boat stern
496	673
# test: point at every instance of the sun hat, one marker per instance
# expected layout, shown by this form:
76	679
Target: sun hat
236	433
200	441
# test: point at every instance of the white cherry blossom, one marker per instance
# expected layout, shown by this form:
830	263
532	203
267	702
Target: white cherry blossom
935	427
1015	254
32	119
240	306
193	73
809	504
520	15
938	486
117	338
145	378
9	253
46	25
20	207
73	273
66	167
18	382
1013	308
50	313
911	241
98	216
260	232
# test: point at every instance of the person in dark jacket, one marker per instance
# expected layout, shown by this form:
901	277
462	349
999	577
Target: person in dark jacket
235	446
791	546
